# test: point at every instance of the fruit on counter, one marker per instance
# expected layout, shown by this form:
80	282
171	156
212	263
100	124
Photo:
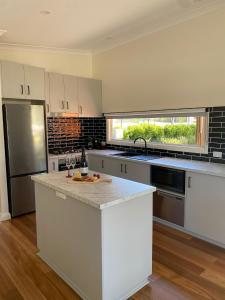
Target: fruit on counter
96	175
79	177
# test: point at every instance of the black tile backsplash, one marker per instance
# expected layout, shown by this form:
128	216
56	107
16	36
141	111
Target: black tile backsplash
216	141
73	133
68	133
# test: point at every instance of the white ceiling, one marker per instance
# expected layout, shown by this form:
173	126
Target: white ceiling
91	25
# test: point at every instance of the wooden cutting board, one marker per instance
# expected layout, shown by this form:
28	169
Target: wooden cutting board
100	180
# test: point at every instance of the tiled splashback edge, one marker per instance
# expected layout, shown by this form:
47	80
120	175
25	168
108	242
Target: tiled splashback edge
216	141
67	133
73	133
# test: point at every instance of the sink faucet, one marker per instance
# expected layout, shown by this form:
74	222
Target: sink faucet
141	138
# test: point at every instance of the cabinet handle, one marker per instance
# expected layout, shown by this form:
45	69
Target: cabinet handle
63	105
125	169
53	166
81	110
121	168
189	182
21	86
102	164
67	104
28	90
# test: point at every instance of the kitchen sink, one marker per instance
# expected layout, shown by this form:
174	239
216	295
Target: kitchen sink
146	157
125	154
136	156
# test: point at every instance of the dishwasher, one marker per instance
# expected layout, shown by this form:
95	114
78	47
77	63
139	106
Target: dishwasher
168	200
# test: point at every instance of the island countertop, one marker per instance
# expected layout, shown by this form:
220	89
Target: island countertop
99	195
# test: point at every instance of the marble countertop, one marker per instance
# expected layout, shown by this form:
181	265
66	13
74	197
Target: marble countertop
182	164
98	195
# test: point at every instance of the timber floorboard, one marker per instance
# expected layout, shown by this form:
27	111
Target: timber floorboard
184	267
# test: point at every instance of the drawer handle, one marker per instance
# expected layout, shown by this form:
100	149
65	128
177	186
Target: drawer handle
102	164
67	104
121	168
28	90
189	182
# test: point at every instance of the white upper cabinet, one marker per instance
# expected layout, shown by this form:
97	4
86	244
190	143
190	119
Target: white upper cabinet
71	93
21	81
56	87
63	93
12	77
77	95
34	83
90	97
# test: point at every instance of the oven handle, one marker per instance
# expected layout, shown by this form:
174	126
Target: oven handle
179	197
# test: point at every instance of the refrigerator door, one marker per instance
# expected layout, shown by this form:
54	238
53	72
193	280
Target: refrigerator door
22	198
25	138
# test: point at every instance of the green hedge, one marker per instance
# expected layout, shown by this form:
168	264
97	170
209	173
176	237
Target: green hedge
174	134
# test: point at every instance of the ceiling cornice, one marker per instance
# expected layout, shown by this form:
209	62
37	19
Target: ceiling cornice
43	49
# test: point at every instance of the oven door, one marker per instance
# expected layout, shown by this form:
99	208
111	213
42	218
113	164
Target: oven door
168	179
168	207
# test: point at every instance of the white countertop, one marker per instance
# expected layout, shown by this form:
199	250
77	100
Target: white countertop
98	195
182	164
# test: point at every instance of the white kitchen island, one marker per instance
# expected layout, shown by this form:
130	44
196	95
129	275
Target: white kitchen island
96	236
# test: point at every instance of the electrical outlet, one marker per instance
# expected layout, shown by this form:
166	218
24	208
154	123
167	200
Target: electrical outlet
217	154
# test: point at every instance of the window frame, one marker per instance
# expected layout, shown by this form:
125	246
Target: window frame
201	149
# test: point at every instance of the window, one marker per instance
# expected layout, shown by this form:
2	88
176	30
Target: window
185	130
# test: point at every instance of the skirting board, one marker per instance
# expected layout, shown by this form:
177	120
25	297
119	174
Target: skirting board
5	216
155	219
79	291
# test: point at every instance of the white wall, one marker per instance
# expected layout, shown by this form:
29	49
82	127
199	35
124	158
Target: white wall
53	61
182	66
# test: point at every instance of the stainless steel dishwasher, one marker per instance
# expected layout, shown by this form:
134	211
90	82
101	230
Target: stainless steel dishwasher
168	200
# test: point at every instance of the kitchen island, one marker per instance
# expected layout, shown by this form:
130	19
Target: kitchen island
96	236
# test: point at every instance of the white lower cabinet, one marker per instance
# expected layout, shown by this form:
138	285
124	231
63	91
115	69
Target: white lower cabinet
135	171
130	170
205	206
103	164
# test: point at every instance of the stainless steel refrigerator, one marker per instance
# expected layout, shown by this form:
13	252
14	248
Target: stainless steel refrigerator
25	147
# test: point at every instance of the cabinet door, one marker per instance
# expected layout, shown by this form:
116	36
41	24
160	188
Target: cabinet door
56	86
95	163
138	172
71	93
90	97
121	168
205	206
34	83
104	164
12	80
47	94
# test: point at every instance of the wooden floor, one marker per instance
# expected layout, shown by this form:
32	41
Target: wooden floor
183	268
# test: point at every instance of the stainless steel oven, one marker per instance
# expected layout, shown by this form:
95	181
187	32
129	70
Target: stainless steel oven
168	200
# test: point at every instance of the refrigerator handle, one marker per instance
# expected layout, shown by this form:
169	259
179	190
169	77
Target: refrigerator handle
21	86
28	90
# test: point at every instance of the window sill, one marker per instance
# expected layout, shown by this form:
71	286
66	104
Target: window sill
170	147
